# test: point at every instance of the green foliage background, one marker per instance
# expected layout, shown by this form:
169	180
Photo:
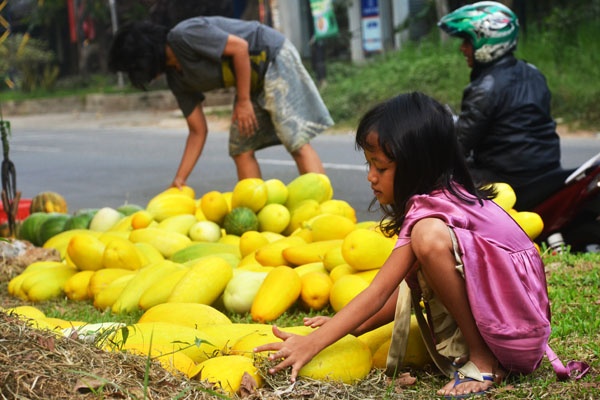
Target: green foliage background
568	58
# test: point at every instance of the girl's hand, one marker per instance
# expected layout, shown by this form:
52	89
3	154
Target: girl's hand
315	322
244	117
295	351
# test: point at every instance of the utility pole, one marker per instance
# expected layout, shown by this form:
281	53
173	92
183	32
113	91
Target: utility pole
114	22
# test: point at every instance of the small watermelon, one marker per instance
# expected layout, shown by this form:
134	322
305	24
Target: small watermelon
240	220
31	225
128	209
80	220
54	225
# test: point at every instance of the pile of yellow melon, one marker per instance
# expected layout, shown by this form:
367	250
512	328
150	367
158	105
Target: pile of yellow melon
175	260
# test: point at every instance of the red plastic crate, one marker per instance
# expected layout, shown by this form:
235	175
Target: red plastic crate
22	212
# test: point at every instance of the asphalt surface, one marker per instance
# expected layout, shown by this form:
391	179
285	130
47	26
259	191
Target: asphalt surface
108	159
96	160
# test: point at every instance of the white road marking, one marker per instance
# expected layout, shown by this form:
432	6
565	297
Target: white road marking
352	167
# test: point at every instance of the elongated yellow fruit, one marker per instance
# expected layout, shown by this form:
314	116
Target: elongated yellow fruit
104	277
77	286
160	291
310	252
144	278
226	372
121	253
108	295
204	282
14	285
329	227
43	274
171	361
178	338
178	223
316	287
86	251
271	254
49	285
148	253
348	360
278	292
61	240
194	315
168	243
165	205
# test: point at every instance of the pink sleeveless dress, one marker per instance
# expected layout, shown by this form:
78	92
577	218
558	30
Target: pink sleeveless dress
504	275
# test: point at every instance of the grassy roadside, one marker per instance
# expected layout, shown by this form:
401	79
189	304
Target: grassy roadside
573	282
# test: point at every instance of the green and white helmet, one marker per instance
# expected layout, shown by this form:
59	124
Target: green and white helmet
491	27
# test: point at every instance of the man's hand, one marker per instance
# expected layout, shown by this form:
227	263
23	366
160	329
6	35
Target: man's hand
244	117
178	183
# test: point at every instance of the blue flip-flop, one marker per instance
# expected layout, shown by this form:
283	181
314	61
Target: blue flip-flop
460	378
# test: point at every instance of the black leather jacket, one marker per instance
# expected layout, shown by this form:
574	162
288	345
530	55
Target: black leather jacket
505	126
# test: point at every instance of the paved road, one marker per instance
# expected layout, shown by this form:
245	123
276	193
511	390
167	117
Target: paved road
95	160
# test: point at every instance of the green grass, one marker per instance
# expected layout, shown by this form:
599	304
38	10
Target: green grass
573	282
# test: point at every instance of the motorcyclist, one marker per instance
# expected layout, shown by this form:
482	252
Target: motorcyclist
505	124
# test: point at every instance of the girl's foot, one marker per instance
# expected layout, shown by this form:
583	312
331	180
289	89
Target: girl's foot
469	381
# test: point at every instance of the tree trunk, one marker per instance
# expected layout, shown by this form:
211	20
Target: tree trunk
441	9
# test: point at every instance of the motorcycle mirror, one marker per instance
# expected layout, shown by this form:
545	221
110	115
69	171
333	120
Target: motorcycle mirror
582	168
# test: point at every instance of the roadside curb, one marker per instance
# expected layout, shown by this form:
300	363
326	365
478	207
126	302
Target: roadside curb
159	100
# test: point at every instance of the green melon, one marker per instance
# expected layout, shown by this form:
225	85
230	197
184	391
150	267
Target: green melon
240	220
128	209
31	225
54	225
79	220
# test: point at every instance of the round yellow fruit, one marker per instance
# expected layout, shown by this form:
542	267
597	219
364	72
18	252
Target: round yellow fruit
214	206
312	186
273	217
339	207
340	270
505	195
251	241
365	249
530	222
205	231
277	191
344	289
250	193
303	211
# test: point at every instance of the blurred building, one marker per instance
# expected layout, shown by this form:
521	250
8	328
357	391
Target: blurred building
367	26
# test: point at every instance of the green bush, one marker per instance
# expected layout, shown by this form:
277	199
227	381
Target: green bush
27	63
569	62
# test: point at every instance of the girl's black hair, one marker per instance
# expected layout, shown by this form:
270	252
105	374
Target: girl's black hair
138	49
418	134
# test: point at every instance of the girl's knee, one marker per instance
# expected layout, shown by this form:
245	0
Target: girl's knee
430	239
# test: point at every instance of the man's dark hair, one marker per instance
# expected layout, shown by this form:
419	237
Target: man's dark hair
138	49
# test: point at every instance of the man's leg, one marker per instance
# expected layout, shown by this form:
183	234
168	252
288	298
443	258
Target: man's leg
247	165
307	160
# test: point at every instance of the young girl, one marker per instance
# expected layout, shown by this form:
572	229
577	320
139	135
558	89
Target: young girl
449	232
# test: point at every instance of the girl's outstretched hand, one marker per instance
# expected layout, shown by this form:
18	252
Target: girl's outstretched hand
295	351
315	322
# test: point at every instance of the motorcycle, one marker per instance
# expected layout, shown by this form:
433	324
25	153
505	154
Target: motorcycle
568	201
